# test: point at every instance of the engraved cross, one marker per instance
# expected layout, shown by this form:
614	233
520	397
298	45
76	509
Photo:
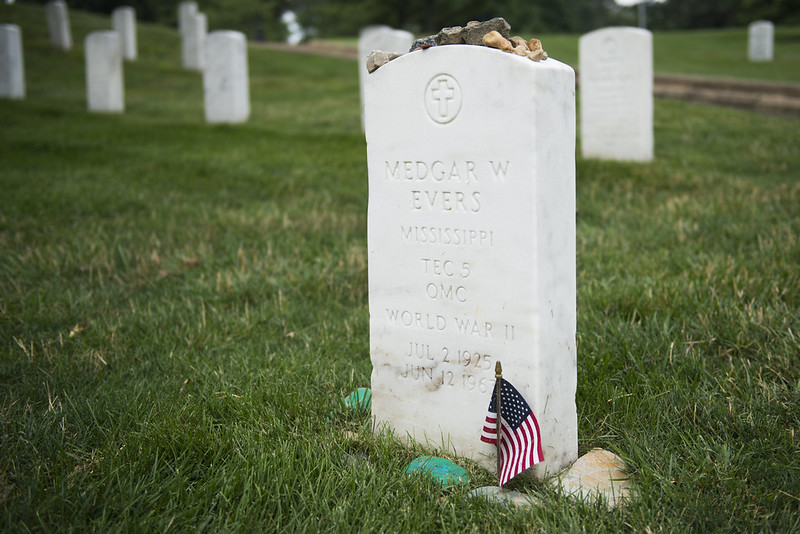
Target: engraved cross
444	93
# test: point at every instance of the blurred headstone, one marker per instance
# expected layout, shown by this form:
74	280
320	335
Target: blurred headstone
58	24
226	84
379	38
123	21
471	245
104	83
194	50
185	10
12	65
760	40
616	88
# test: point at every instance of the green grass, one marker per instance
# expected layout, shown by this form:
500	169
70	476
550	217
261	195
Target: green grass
713	53
182	305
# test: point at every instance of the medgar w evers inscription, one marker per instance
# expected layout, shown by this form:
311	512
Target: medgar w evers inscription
471	238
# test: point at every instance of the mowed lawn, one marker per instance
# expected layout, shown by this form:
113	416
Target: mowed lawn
183	307
706	53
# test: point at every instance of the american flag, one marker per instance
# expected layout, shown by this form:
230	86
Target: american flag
520	439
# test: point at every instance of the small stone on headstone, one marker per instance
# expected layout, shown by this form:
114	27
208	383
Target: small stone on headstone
379	58
518	41
473	33
538	55
493	33
522	51
424	42
596	474
493	39
451	35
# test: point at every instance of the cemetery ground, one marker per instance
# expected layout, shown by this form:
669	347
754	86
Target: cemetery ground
183	307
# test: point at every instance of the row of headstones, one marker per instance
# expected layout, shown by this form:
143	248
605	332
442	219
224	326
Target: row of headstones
616	78
123	21
220	55
472	229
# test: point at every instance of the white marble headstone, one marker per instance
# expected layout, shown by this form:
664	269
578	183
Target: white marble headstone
226	84
471	245
12	65
616	94
58	24
193	39
185	10
760	40
104	83
123	21
379	38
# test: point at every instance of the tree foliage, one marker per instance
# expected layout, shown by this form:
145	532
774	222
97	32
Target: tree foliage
259	18
345	17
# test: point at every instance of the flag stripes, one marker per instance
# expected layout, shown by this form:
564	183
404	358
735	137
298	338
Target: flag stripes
520	442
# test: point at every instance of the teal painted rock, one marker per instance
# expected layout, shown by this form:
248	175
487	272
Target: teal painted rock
442	470
359	401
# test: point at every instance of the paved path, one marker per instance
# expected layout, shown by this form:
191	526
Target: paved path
762	97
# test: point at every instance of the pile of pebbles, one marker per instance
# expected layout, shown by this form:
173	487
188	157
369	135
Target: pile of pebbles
493	33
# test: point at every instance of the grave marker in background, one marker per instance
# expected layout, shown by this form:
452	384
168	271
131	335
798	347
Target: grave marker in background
185	10
58	24
104	85
379	38
12	65
123	21
471	245
760	40
226	84
616	85
193	39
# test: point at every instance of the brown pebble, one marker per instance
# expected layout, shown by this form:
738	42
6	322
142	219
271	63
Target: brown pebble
521	50
495	40
538	55
518	41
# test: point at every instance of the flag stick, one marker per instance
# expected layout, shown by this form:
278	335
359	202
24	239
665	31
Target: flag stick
498	375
